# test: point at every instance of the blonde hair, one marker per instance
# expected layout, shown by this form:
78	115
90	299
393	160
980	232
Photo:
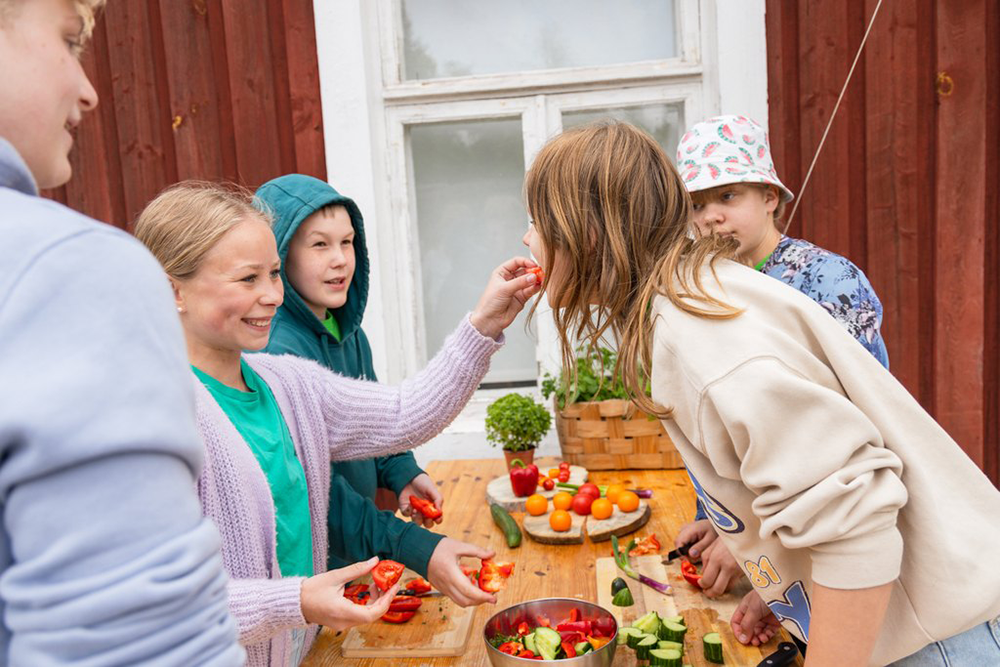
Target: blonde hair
185	221
607	200
86	9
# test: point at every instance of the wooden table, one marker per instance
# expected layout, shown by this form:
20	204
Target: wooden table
541	571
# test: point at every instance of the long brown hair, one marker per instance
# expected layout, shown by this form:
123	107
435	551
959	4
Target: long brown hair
607	201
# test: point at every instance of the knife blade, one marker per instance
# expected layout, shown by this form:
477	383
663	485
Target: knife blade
785	655
431	594
677	553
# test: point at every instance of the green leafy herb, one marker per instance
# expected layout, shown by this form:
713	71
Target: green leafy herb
516	422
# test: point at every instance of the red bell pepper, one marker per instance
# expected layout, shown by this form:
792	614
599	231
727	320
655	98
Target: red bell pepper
405	603
398	616
510	648
543	621
523	478
604	627
472	574
571	638
493	574
418	586
525	653
387	573
522	629
583	627
425	507
690	573
570	651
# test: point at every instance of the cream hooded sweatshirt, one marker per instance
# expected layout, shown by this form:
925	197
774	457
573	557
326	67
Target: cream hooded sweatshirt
816	465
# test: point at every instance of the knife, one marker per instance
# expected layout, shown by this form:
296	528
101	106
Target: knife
785	655
431	594
677	553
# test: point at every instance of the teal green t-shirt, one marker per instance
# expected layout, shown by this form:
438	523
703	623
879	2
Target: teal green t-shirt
257	418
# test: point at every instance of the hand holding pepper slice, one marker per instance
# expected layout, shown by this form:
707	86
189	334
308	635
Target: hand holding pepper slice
523	478
539	274
387	573
425	507
690	573
492	575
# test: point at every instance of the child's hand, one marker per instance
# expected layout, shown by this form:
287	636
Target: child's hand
424	487
697	535
720	571
446	575
323	600
753	622
504	296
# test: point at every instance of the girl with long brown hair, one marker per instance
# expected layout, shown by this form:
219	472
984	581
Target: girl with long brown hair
823	476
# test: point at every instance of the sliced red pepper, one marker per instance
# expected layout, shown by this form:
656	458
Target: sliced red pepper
405	603
543	621
387	573
418	586
647	545
571	638
492	575
604	627
574	615
690	573
356	590
472	574
510	648
398	616
525	653
583	627
522	628
425	507
570	651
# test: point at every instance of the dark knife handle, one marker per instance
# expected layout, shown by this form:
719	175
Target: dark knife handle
678	552
785	655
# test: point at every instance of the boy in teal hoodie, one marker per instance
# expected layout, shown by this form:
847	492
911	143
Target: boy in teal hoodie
321	241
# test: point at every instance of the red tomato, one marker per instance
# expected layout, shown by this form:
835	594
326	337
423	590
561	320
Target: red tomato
563	475
387	573
582	503
564	465
548	484
590	489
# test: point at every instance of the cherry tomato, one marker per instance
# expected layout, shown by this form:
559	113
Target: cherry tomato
564	465
560	521
563	475
536	505
628	501
553	472
582	503
549	484
613	491
590	489
602	508
562	500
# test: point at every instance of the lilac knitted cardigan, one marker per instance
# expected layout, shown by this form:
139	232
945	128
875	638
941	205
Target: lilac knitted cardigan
330	417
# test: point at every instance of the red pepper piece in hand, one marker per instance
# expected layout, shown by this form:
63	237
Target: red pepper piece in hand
539	274
570	651
473	575
398	616
387	573
405	603
425	507
690	574
418	586
492	575
523	478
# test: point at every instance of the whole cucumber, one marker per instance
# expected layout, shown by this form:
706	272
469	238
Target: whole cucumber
507	524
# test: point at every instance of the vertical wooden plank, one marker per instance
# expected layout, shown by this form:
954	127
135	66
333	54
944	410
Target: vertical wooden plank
960	206
304	91
991	335
854	108
147	161
251	80
282	92
784	129
898	166
193	97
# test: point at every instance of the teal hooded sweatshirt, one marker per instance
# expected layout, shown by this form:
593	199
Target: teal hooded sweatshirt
296	330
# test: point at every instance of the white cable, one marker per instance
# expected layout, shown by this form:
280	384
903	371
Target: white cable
833	115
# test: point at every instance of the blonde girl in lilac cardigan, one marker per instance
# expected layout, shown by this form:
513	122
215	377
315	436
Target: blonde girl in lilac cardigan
272	424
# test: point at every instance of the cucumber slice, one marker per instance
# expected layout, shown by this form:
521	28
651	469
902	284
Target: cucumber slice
617	585
635	637
623	598
650	623
677	646
645	645
625	633
583	647
529	642
713	647
548	642
672	631
664	657
675	619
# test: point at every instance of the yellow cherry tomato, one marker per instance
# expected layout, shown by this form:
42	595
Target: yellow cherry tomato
602	508
628	501
553	472
560	521
613	491
562	500
537	504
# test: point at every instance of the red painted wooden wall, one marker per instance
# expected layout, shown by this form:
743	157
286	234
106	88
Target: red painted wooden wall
206	89
908	185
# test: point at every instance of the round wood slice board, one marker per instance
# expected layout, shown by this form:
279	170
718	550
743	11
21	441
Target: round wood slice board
620	523
499	491
538	529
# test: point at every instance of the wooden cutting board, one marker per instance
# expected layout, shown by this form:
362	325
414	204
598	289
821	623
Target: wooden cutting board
440	629
701	614
500	492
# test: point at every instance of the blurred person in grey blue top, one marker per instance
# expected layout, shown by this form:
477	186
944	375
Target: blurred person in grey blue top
105	557
726	165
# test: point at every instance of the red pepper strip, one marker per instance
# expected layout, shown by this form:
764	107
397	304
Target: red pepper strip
418	586
585	627
690	574
506	569
543	621
354	591
398	616
523	478
522	629
425	507
572	638
574	615
525	653
510	648
570	651
405	603
491	576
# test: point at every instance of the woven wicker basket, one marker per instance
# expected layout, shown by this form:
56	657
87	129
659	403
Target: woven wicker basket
614	435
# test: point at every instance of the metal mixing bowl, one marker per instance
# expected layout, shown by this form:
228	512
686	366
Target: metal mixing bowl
505	622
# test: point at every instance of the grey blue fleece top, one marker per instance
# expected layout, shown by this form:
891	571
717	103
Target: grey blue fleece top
105	557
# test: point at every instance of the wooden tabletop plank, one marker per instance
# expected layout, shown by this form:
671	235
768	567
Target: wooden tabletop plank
541	570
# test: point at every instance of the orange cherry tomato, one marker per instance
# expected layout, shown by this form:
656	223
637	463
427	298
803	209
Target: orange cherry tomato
553	472
537	505
628	501
602	508
613	491
560	521
562	500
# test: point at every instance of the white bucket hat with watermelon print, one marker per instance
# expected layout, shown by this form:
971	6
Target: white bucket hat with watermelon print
726	150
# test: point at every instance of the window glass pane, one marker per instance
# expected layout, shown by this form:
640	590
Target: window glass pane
664	122
443	38
470	218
